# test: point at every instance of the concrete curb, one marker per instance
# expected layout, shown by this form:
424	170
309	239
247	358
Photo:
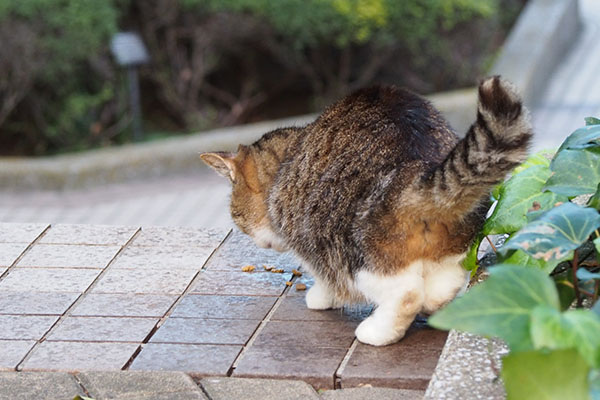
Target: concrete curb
134	161
468	369
163	385
541	37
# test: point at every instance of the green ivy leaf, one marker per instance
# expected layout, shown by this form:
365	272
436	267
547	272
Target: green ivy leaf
540	158
501	305
564	287
575	172
592	121
517	197
519	257
594	201
597	244
588	136
555	235
470	261
578	329
560	375
594	380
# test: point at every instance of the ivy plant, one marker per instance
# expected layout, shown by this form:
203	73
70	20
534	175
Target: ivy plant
542	296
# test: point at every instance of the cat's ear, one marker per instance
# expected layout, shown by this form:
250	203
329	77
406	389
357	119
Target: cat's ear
222	162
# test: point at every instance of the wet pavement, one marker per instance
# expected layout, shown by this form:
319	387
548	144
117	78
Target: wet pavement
79	298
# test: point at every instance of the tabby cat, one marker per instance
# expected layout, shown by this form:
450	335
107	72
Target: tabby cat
378	197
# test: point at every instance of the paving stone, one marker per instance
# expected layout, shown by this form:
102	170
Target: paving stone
168	236
79	356
25	326
195	359
9	252
88	234
124	305
224	307
307	333
144	281
408	364
48	280
103	329
205	331
370	393
38	386
68	256
241	283
239	250
168	396
257	389
293	308
20	233
139	385
11	354
163	257
314	365
36	303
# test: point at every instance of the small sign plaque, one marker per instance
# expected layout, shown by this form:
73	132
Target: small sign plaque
128	49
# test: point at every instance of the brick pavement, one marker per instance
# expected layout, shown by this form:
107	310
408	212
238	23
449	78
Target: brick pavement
85	298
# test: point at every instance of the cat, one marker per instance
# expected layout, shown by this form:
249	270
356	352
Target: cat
378	197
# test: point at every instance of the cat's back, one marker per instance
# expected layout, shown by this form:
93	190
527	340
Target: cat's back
347	155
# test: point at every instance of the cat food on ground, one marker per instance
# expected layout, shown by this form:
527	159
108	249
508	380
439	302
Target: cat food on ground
248	268
278	271
288	283
296	272
267	268
300	286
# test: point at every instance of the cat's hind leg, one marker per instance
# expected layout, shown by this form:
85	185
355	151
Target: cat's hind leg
398	299
444	279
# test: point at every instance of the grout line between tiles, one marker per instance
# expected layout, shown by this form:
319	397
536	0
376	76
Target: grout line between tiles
33	242
180	297
80	383
261	326
337	376
79	299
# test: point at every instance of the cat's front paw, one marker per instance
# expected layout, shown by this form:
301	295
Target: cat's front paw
374	332
319	297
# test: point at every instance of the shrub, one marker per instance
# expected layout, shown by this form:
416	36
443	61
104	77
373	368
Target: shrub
555	350
55	72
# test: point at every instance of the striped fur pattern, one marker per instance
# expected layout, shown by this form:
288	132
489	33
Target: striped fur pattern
378	195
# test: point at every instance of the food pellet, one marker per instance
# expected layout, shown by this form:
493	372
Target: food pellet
277	271
248	268
300	286
288	283
267	268
296	272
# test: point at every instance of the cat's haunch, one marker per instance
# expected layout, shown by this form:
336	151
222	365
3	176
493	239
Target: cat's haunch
378	197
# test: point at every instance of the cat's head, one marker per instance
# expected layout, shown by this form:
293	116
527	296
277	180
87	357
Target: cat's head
251	172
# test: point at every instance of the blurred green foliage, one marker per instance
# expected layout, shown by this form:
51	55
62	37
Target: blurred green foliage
69	39
223	61
343	22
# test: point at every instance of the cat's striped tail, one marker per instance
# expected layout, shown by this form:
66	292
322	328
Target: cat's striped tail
495	143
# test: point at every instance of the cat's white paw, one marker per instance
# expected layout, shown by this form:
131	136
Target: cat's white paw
319	297
372	331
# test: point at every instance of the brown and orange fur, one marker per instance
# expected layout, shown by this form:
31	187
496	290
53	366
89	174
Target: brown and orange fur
377	186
